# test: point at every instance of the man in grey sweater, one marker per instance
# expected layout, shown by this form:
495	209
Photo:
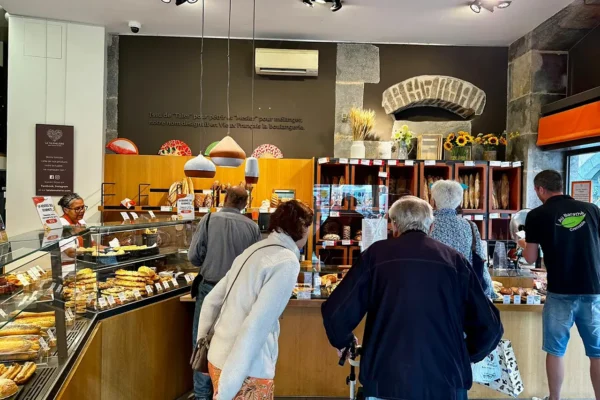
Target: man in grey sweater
220	238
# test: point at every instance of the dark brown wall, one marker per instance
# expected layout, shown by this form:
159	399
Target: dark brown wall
485	67
162	74
584	63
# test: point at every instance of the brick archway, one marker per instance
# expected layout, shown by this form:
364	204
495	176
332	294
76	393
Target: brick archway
452	94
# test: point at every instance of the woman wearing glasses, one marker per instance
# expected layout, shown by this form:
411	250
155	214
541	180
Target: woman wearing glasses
73	210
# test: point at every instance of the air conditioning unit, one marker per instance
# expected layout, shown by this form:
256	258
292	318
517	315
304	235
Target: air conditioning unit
284	62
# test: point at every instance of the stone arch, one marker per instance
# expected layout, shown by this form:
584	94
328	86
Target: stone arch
452	94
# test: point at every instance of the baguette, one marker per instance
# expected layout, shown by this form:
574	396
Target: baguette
504	191
12	344
26	314
471	191
3	369
466	194
119	282
477	191
19	329
25	373
12	371
44	322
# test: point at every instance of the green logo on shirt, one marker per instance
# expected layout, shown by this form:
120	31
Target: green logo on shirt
572	221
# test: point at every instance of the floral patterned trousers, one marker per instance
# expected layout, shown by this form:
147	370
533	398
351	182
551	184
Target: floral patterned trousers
252	389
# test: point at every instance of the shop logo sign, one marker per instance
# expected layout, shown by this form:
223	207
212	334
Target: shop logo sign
54	134
572	221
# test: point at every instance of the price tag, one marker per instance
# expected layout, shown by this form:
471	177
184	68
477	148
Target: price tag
539	285
354	162
166	208
530	300
23	280
188	278
3	314
377	162
59	289
494	216
151	213
158	287
51	335
346	242
175	283
52	285
137	294
479	218
429	163
69	314
166	285
365	162
383	174
102	302
24	301
90	297
469	163
468	217
41	270
516	164
44	345
537	300
334	214
495	163
323	160
505	164
125	216
392	162
409	163
134	216
149	290
304	295
517	299
203	210
111	300
122	297
329	243
34	295
343	161
31	273
506	299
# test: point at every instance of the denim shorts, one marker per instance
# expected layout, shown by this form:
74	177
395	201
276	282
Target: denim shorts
561	312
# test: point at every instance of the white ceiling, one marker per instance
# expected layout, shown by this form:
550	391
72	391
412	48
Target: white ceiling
375	21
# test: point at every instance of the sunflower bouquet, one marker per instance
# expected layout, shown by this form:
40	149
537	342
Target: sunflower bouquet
459	145
491	141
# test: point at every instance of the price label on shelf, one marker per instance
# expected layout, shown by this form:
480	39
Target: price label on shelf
137	294
51	335
392	162
44	345
383	174
34	295
149	290
409	163
530	300
495	216
328	243
479	218
23	301
111	300
505	164
365	162
52	286
69	314
377	162
3	314
40	270
537	299
102	302
23	280
203	210
323	160
90	298
343	161
495	163
151	213
166	285
354	161
517	299
516	164
122	297
346	242
166	208
134	216
59	289
469	163
429	163
175	283
125	216
506	299
468	217
334	214
188	278
32	274
158	287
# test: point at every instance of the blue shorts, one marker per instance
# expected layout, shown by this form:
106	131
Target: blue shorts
561	312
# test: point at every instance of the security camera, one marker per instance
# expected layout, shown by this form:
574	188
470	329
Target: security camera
135	26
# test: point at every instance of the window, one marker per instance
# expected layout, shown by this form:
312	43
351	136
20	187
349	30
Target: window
585	167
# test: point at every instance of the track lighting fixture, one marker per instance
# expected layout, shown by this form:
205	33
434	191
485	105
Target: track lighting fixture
475	7
180	2
489	5
504	4
166	1
308	3
337	5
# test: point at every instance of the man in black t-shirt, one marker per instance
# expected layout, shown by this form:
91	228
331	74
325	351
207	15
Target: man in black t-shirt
569	233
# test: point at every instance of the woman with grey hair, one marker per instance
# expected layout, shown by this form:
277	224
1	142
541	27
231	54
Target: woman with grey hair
73	209
454	231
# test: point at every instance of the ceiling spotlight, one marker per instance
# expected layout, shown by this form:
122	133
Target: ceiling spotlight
475	7
337	4
308	3
166	1
180	2
504	4
320	1
192	1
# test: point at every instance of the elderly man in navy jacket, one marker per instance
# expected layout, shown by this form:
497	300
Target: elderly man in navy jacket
428	318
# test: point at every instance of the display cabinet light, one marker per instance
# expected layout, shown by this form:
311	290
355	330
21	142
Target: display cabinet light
475	7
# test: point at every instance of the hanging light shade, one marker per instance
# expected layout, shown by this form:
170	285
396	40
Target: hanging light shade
251	170
227	153
199	167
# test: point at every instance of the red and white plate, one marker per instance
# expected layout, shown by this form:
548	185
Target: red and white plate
267	151
122	146
175	148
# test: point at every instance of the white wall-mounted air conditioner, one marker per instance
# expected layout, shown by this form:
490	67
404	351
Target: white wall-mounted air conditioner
284	62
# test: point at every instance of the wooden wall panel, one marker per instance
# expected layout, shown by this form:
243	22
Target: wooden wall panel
161	171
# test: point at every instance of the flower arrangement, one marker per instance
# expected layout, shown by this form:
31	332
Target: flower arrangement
403	138
458	145
362	122
491	141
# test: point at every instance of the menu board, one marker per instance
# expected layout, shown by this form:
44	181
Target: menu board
54	169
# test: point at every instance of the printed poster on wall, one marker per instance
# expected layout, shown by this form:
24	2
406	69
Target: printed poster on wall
48	216
185	207
54	150
582	191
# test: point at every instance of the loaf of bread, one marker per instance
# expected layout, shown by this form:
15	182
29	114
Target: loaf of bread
471	191
7	388
120	282
477	189
126	273
43	322
11	344
12	371
131	278
19	329
26	314
25	373
506	291
504	191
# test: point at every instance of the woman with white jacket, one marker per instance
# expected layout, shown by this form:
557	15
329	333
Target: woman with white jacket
246	305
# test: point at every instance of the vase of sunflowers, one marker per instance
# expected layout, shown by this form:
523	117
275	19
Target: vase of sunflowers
490	143
459	146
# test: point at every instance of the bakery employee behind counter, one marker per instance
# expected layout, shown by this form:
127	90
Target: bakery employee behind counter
73	209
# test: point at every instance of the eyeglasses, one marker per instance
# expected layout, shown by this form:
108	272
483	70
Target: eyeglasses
78	209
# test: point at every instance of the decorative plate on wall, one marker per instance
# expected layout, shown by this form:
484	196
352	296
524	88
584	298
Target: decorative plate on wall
175	148
122	146
267	151
210	147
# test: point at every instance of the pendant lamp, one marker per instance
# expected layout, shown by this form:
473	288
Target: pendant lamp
251	170
199	167
227	153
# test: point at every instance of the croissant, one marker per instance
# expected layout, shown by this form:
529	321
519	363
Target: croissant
504	191
477	190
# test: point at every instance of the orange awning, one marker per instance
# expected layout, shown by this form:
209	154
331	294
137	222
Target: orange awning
578	123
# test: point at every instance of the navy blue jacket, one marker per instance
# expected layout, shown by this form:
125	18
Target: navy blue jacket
421	297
